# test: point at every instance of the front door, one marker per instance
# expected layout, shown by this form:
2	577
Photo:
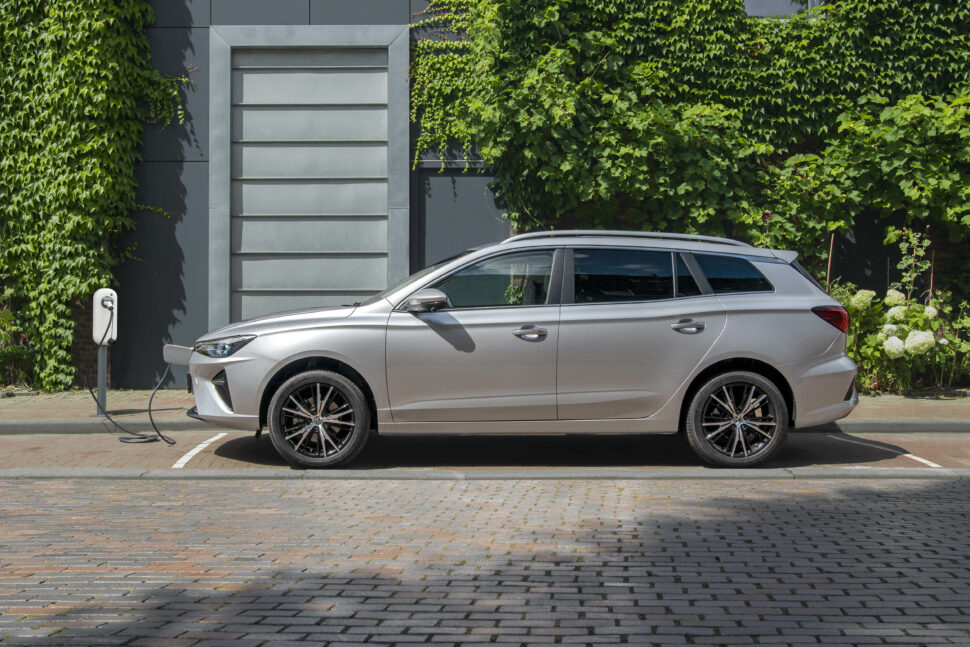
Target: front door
490	355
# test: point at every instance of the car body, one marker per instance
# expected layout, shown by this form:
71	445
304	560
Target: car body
579	332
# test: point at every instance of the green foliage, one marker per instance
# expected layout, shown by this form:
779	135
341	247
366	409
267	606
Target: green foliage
690	115
907	161
441	77
900	344
75	89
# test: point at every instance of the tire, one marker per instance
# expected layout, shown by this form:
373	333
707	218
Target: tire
319	419
725	429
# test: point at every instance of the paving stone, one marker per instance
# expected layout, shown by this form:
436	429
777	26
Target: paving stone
515	562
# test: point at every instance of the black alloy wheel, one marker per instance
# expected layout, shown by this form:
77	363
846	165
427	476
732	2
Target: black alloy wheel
319	419
737	419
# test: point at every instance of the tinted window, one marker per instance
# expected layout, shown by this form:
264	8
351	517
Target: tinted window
731	274
686	285
603	275
520	279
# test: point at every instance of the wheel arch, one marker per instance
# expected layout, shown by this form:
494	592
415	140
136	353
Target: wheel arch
763	369
314	363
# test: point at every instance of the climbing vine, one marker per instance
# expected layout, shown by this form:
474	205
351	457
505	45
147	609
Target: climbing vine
692	115
75	89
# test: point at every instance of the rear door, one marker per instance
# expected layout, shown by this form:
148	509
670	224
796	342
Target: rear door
633	326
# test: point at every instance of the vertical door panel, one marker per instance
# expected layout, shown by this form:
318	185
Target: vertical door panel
623	360
467	365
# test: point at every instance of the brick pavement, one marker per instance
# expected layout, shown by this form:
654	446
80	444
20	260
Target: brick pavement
249	563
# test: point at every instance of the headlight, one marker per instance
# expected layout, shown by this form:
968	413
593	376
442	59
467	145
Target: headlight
223	347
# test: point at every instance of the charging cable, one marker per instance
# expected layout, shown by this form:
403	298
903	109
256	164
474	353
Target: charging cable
132	436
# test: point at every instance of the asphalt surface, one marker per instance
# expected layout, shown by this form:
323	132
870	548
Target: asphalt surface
275	563
216	452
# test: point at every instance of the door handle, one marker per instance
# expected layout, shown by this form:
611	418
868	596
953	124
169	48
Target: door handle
530	333
688	326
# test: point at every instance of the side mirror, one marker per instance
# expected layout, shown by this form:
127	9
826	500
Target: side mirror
426	300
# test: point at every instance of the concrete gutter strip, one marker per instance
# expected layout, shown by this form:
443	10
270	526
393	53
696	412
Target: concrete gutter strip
95	425
650	474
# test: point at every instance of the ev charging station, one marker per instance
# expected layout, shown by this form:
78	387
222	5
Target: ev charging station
104	330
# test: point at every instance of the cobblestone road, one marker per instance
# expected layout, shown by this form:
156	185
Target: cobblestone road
247	563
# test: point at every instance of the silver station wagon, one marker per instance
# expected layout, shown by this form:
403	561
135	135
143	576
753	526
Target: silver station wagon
576	332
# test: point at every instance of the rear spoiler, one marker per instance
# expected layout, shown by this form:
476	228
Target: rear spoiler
786	255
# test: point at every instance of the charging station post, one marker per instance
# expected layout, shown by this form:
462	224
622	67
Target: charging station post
104	330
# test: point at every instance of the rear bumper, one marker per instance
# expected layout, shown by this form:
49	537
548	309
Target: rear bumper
820	387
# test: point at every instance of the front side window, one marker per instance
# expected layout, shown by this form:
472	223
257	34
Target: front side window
518	279
728	274
608	275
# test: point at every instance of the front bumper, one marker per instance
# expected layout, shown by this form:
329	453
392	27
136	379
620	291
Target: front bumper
226	389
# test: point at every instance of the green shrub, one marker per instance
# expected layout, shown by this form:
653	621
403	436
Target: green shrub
17	365
900	344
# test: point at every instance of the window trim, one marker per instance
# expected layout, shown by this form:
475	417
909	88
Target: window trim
553	298
569	275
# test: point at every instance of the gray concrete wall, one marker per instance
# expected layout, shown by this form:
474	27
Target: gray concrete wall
164	290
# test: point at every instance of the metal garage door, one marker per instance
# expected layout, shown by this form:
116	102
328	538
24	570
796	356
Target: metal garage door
309	177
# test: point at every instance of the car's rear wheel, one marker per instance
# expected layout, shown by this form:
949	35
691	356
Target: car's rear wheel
319	419
737	419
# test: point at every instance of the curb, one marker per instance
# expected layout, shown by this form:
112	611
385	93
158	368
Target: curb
95	425
599	474
892	426
101	425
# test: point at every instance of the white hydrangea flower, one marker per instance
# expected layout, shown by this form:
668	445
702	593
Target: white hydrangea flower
930	312
896	313
894	347
894	298
919	341
862	299
889	329
944	342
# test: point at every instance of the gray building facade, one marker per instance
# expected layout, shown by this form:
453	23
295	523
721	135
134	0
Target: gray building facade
290	184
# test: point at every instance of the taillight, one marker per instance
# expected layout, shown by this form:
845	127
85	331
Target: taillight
835	315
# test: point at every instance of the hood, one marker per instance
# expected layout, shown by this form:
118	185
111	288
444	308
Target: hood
281	321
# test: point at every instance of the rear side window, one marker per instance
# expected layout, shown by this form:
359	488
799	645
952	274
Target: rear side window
728	274
608	275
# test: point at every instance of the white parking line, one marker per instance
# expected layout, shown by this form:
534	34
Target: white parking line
886	449
198	448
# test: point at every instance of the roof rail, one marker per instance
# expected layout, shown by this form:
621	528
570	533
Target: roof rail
625	234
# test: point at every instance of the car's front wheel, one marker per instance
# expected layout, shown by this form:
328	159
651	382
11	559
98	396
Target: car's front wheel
319	419
737	419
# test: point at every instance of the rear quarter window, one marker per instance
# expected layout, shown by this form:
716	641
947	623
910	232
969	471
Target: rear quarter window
729	274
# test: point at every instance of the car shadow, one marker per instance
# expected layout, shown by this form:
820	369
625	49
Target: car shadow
442	451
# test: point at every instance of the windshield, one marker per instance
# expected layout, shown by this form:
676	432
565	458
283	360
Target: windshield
417	276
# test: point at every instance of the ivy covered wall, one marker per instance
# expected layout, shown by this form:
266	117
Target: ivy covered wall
75	89
690	115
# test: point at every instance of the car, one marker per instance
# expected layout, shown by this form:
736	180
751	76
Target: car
555	332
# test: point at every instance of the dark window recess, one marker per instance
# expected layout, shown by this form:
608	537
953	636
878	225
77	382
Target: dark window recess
686	285
605	275
729	274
